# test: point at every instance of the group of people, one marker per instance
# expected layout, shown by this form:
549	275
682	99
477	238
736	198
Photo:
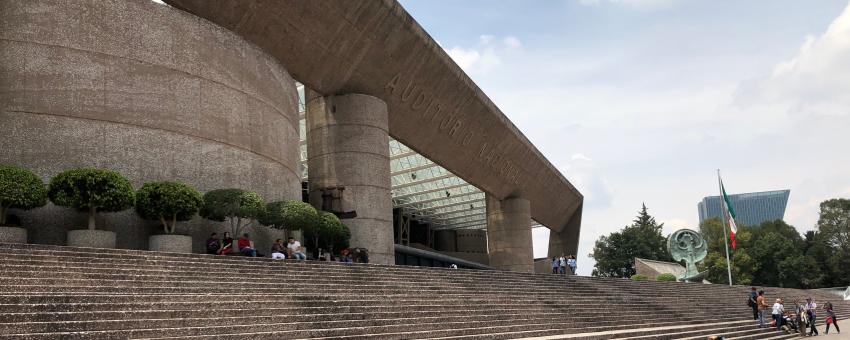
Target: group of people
799	318
245	246
560	264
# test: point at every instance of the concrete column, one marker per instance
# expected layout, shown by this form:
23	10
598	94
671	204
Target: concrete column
566	241
509	234
348	146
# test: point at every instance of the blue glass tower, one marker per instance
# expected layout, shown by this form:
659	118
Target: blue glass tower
751	208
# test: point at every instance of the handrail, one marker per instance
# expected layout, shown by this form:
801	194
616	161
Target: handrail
440	257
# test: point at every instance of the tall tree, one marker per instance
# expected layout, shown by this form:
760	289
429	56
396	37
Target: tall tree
834	229
615	254
743	265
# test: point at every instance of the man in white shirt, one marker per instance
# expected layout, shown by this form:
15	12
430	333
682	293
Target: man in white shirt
295	250
778	309
562	261
810	308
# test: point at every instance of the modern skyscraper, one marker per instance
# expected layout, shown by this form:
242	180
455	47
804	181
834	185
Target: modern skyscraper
751	208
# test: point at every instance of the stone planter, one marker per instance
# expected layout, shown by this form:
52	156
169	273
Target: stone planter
91	238
170	243
13	235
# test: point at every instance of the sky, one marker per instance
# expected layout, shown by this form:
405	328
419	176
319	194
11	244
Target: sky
641	101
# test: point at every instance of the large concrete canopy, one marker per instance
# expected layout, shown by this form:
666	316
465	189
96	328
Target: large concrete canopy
377	48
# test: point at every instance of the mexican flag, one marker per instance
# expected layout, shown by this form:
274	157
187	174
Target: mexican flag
729	214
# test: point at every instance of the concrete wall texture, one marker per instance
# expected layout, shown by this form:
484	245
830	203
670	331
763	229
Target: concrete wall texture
150	91
509	232
347	146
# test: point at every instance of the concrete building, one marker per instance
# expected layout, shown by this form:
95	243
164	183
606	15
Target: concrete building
751	209
386	129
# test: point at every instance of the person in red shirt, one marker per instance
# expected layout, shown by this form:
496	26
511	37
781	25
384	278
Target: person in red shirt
245	246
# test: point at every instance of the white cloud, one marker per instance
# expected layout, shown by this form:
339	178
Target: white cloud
512	42
486	39
586	176
815	82
484	57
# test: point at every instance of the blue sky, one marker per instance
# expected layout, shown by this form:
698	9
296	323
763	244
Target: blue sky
641	100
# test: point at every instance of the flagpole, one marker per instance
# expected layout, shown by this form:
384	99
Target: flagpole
723	220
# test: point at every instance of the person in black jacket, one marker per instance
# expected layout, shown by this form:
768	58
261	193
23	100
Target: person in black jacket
213	244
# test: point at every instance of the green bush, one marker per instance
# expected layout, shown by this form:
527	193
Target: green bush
292	215
20	189
91	190
666	277
234	205
168	202
639	277
329	233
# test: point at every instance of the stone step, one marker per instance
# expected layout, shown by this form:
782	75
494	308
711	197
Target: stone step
413	310
268	331
78	293
753	333
230	259
306	322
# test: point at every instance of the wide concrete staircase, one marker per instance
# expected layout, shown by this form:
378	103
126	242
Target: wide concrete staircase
50	292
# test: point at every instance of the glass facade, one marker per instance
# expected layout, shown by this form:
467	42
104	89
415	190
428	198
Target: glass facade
423	190
751	209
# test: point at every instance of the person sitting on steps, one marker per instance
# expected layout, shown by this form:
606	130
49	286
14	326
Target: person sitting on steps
213	244
245	246
345	256
295	250
226	244
278	250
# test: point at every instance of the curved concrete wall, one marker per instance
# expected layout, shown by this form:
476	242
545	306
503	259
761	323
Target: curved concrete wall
150	91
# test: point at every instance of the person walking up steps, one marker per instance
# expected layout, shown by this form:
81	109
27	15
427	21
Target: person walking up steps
555	265
562	263
810	309
830	317
751	301
571	262
762	307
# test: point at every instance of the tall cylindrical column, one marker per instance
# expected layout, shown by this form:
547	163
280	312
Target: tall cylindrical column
509	234
348	163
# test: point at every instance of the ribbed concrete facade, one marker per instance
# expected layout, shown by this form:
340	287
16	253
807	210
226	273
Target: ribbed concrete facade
148	90
347	138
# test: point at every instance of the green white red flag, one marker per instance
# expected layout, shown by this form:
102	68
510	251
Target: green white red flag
729	215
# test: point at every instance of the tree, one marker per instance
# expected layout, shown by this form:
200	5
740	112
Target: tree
333	231
233	205
615	254
714	263
833	231
290	215
168	202
328	233
19	189
91	190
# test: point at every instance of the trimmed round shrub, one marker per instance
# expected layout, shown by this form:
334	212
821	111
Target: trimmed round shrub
292	215
91	190
329	232
20	189
639	277
168	203
666	277
235	205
